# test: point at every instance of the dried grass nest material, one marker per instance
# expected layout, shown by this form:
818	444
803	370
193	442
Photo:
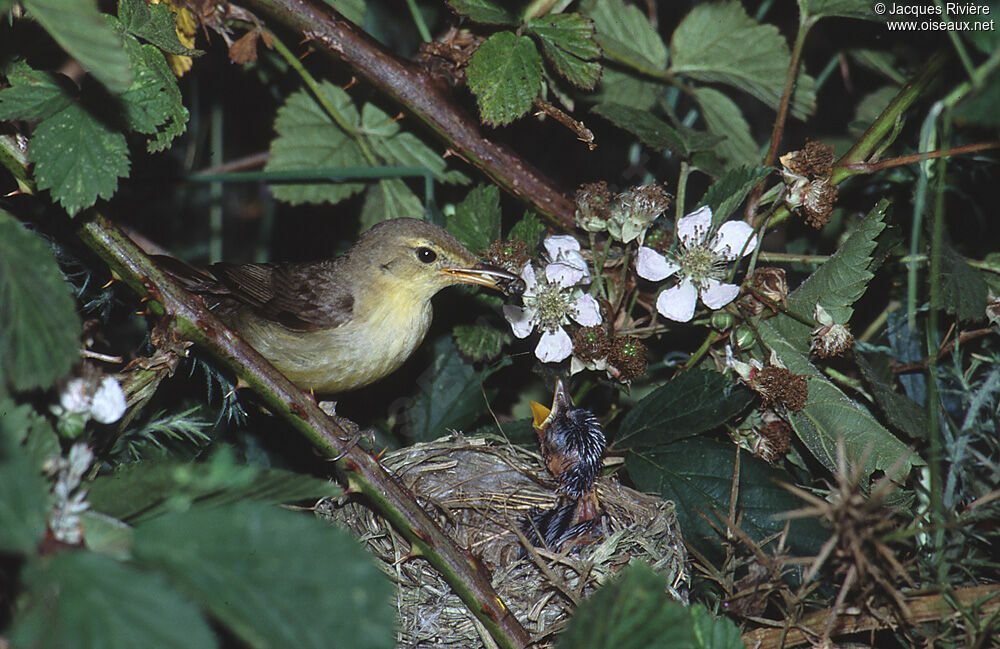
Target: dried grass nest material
478	490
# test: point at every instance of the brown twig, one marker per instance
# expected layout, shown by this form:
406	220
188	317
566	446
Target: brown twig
580	129
428	100
872	167
921	365
926	608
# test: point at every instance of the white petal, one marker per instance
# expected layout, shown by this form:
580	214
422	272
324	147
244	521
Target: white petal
559	244
563	274
519	319
653	266
717	295
587	313
109	402
554	346
734	239
677	303
693	228
528	275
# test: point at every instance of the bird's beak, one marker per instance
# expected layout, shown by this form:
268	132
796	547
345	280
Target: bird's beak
561	402
489	276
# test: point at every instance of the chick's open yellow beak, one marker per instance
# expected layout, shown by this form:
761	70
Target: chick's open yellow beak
541	415
489	276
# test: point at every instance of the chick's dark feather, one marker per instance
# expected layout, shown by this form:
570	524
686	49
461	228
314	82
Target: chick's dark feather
573	445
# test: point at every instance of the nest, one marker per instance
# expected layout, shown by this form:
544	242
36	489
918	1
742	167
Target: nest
479	491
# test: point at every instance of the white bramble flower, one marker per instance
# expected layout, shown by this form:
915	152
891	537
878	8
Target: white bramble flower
699	262
551	300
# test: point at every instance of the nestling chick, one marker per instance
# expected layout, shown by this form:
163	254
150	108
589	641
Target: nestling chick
340	324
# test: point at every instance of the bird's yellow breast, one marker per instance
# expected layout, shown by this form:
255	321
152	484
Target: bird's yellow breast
382	333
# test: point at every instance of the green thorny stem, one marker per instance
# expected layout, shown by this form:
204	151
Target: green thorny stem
358	468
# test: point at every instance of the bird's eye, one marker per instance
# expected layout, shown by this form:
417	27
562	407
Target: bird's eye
426	255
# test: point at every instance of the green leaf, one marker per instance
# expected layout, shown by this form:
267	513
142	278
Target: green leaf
273	577
480	342
353	10
816	9
726	194
626	36
899	410
620	87
79	27
82	600
717	42
568	42
153	104
724	118
39	328
505	74
390	199
632	612
693	402
651	130
482	11
24	498
397	147
879	61
979	107
452	397
153	23
107	535
31	430
836	285
635	612
529	229
697	474
308	138
476	221
146	490
33	94
78	157
963	289
830	416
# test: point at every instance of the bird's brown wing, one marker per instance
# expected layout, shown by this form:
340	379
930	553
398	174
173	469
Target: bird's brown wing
301	296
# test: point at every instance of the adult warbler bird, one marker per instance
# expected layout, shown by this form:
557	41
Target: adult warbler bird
340	324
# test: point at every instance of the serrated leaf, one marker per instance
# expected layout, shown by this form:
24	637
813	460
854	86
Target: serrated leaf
153	104
718	42
23	424
78	157
626	35
963	289
389	199
397	147
568	42
274	578
34	94
816	9
726	194
505	74
697	474
82	600
651	130
79	27
899	410
724	118
476	220
39	327
632	612
24	498
153	23
880	61
693	402
480	342
452	398
829	416
837	284
308	138
144	491
482	11
622	88
529	229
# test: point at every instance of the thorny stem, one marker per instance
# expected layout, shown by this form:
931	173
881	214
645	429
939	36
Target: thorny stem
921	365
418	93
359	469
872	167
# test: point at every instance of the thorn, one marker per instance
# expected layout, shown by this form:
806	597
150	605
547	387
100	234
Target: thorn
397	118
305	54
145	298
240	384
378	458
350	84
16	192
110	283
